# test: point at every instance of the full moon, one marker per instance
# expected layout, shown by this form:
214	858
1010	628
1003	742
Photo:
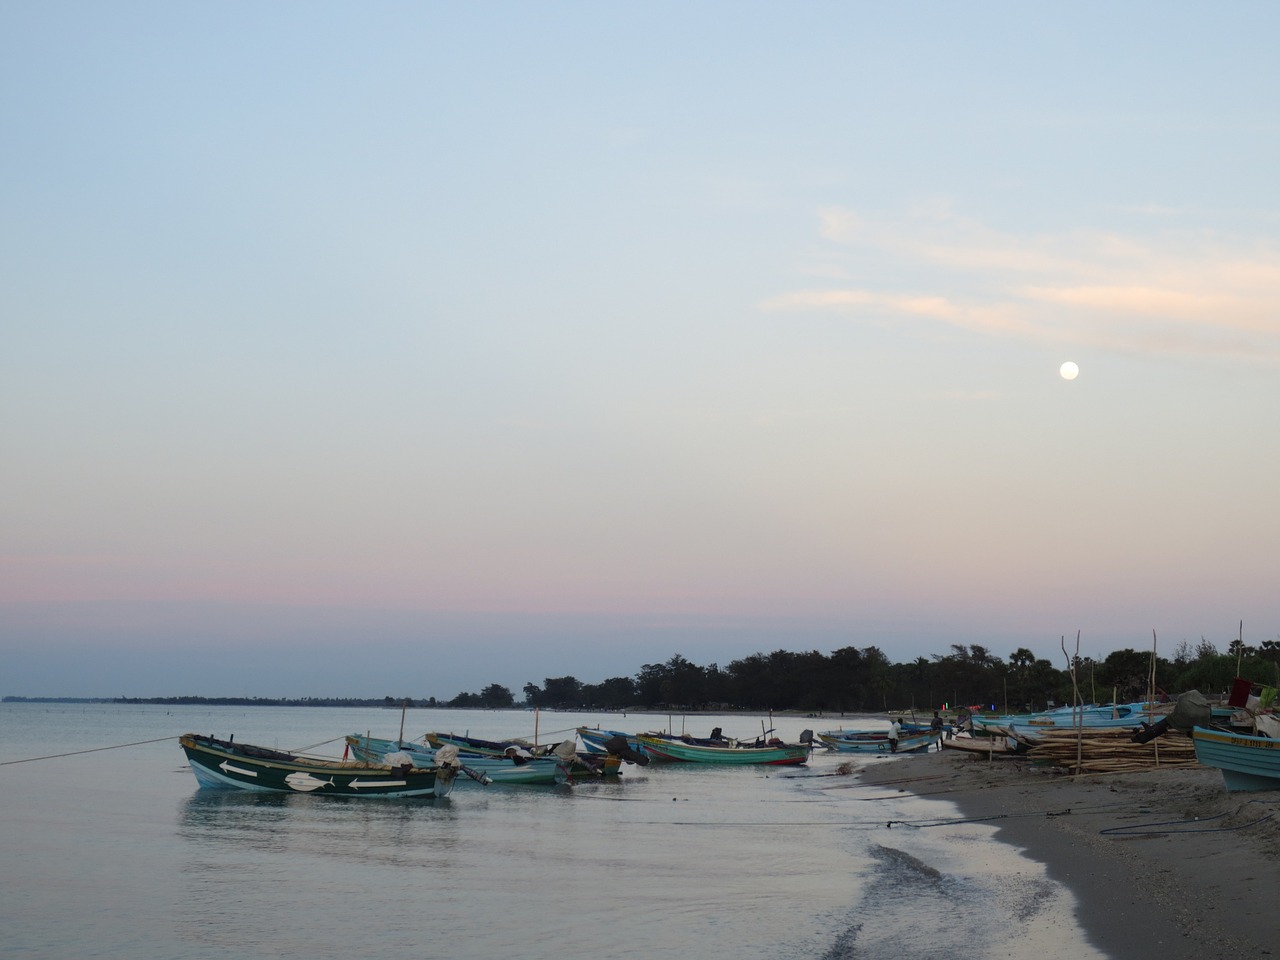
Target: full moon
1069	371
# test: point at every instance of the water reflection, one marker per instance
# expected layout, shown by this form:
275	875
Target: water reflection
315	826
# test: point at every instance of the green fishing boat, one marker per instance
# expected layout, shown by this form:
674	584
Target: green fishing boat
225	764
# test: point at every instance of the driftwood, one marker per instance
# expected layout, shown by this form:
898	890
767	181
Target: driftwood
1109	751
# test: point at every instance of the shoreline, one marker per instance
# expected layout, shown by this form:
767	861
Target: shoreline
1160	882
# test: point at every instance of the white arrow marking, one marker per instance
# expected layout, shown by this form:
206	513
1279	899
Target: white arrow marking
228	768
357	784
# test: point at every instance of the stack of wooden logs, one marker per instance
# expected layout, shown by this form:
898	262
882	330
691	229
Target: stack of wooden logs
1111	751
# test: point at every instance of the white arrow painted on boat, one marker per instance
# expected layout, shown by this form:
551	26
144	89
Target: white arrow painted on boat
357	784
228	768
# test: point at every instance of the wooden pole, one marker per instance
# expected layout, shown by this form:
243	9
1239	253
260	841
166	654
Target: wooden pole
1080	728
1151	696
1077	715
1239	648
403	707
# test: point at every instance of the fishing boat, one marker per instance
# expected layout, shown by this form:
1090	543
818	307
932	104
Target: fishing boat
910	739
566	753
595	740
987	746
1027	726
1247	763
624	745
502	770
242	766
677	750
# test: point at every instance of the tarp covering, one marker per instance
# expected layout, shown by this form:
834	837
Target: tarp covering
1191	710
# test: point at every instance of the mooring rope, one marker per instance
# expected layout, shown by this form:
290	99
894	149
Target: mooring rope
54	756
322	743
1179	826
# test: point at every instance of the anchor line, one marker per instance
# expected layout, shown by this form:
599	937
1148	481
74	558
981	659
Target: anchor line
55	756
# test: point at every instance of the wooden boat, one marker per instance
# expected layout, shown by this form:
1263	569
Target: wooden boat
241	766
910	739
987	746
596	740
577	764
1247	763
505	770
1027	726
730	752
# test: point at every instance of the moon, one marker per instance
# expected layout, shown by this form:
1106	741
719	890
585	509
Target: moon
1069	371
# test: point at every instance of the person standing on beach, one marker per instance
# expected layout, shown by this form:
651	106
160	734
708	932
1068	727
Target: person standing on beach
936	726
893	734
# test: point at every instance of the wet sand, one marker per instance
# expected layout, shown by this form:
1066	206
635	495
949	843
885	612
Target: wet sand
1162	864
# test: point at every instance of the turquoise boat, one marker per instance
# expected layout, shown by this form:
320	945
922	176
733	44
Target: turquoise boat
678	751
1247	763
577	764
504	770
225	764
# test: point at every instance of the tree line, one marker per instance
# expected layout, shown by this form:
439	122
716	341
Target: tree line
853	680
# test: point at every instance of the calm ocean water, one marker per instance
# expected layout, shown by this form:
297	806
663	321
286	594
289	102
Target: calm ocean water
118	854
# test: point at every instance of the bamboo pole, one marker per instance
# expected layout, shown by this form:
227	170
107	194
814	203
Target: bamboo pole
1077	714
1151	695
1239	648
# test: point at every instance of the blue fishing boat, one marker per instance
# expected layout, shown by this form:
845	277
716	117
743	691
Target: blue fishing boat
566	752
1247	763
1028	726
509	769
595	740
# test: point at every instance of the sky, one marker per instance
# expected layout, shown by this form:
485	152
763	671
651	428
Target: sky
404	348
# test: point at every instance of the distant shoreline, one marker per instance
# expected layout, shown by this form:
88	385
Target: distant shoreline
241	702
402	703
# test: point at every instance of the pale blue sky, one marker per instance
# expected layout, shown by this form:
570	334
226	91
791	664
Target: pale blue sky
405	348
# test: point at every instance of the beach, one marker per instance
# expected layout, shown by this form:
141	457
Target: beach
1162	862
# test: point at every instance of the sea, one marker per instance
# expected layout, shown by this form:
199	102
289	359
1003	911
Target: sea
110	849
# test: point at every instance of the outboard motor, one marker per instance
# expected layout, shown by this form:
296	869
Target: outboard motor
1191	710
619	747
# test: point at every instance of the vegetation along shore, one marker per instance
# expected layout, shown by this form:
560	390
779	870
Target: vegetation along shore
848	680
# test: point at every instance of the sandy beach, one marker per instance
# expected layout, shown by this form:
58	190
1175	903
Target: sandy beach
1162	863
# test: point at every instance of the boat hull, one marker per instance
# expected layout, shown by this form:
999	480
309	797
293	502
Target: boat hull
224	764
677	751
1247	763
588	765
539	770
852	741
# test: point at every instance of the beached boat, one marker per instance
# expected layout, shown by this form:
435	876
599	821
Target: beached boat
988	746
1027	726
504	770
1247	763
577	764
910	739
730	752
242	766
